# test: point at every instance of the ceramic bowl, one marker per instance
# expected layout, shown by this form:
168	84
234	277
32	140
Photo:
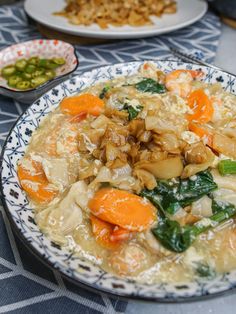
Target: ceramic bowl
45	49
20	213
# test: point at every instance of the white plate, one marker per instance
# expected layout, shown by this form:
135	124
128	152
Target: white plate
189	11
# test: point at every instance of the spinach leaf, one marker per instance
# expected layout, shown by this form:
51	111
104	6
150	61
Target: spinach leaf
169	196
179	238
204	270
149	85
104	91
218	206
173	236
133	112
222	210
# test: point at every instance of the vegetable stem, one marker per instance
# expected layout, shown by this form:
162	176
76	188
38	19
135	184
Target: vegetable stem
227	167
178	239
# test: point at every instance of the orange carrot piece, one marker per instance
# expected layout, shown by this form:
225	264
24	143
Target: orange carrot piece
123	209
201	132
120	234
39	192
35	182
37	174
102	231
201	106
83	103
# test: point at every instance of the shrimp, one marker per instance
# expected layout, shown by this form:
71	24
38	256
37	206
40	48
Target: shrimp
63	140
179	81
130	259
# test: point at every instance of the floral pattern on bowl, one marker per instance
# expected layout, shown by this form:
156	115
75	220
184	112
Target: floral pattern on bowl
45	49
21	216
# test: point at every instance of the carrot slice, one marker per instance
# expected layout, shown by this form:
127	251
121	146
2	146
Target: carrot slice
102	231
38	192
202	133
34	172
123	209
201	106
120	234
34	181
83	103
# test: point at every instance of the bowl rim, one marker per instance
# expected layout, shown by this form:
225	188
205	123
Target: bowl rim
58	77
79	282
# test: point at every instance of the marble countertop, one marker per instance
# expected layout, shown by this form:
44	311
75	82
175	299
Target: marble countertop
225	304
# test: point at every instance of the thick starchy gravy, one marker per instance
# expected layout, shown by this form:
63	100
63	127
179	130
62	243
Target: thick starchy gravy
138	175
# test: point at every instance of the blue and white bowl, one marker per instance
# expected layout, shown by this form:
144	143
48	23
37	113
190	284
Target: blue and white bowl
21	216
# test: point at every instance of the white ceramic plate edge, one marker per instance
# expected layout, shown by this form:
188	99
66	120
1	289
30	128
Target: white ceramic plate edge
117	34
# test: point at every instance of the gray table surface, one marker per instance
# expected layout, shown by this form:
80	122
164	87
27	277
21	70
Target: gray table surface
225	59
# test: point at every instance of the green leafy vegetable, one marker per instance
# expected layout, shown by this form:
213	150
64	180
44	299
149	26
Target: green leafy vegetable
227	167
133	112
215	206
104	91
149	85
179	238
174	237
169	196
204	270
222	210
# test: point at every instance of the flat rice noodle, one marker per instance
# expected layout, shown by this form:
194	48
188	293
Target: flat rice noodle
224	182
146	178
197	153
168	142
224	145
112	152
172	123
192	169
164	169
